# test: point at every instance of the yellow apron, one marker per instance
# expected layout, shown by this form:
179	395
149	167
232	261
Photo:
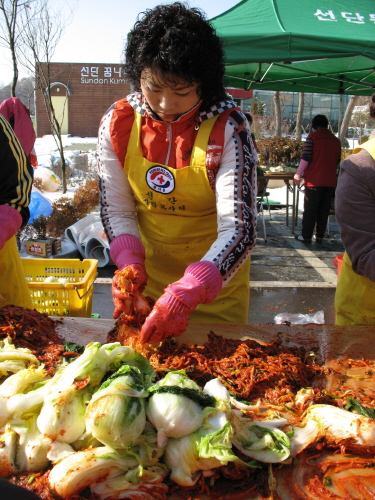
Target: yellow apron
355	294
177	220
13	285
355	297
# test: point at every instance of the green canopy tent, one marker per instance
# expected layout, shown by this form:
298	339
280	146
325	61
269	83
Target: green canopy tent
322	46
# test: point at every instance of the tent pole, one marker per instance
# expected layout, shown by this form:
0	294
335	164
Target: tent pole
340	116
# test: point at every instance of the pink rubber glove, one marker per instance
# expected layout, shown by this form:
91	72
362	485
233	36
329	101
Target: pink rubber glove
127	251
170	315
10	222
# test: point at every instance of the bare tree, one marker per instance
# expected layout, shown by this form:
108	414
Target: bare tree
25	92
12	18
301	99
347	117
40	38
276	100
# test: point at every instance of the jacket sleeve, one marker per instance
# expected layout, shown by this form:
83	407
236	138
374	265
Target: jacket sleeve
16	173
236	190
355	211
308	149
117	203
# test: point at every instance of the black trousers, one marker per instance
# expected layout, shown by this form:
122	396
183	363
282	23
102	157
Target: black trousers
317	204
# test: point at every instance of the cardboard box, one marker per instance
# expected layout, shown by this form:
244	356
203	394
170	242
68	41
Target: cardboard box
43	247
39	248
56	245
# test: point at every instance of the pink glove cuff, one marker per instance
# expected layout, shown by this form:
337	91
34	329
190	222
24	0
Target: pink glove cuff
127	249
188	290
10	222
209	276
173	303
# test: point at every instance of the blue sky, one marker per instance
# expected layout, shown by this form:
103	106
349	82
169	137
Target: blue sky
99	28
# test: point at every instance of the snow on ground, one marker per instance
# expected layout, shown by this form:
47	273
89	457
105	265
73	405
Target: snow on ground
47	143
46	146
279	194
46	149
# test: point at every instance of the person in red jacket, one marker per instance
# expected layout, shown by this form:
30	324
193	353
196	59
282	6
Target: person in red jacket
320	157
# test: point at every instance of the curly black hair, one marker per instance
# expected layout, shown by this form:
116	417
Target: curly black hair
179	44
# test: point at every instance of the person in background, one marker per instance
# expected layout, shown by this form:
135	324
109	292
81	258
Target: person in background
16	177
177	176
320	158
17	114
355	215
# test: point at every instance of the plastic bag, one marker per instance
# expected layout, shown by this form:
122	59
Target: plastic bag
50	181
39	205
299	319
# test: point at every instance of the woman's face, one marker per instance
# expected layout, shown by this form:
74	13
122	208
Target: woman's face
168	101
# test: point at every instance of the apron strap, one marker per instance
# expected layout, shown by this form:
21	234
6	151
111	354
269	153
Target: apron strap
369	146
134	143
198	154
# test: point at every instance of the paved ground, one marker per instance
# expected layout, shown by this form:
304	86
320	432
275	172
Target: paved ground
286	275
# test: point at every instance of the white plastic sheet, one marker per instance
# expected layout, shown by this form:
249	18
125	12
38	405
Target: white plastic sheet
88	236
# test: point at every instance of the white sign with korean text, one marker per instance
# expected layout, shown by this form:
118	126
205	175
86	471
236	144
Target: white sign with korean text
102	75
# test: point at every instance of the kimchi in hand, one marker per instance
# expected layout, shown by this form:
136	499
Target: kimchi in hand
127	284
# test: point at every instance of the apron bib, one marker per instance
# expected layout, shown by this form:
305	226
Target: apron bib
177	221
355	297
13	285
355	294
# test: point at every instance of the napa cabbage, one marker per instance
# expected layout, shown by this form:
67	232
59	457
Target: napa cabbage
333	424
13	359
8	448
89	368
62	416
175	406
85	468
116	414
32	446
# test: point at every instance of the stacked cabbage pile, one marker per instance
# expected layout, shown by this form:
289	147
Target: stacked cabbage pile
102	422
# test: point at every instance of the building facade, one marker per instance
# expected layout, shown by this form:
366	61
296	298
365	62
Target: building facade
80	93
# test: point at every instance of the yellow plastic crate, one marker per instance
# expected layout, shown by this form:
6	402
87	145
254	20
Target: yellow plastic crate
74	298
